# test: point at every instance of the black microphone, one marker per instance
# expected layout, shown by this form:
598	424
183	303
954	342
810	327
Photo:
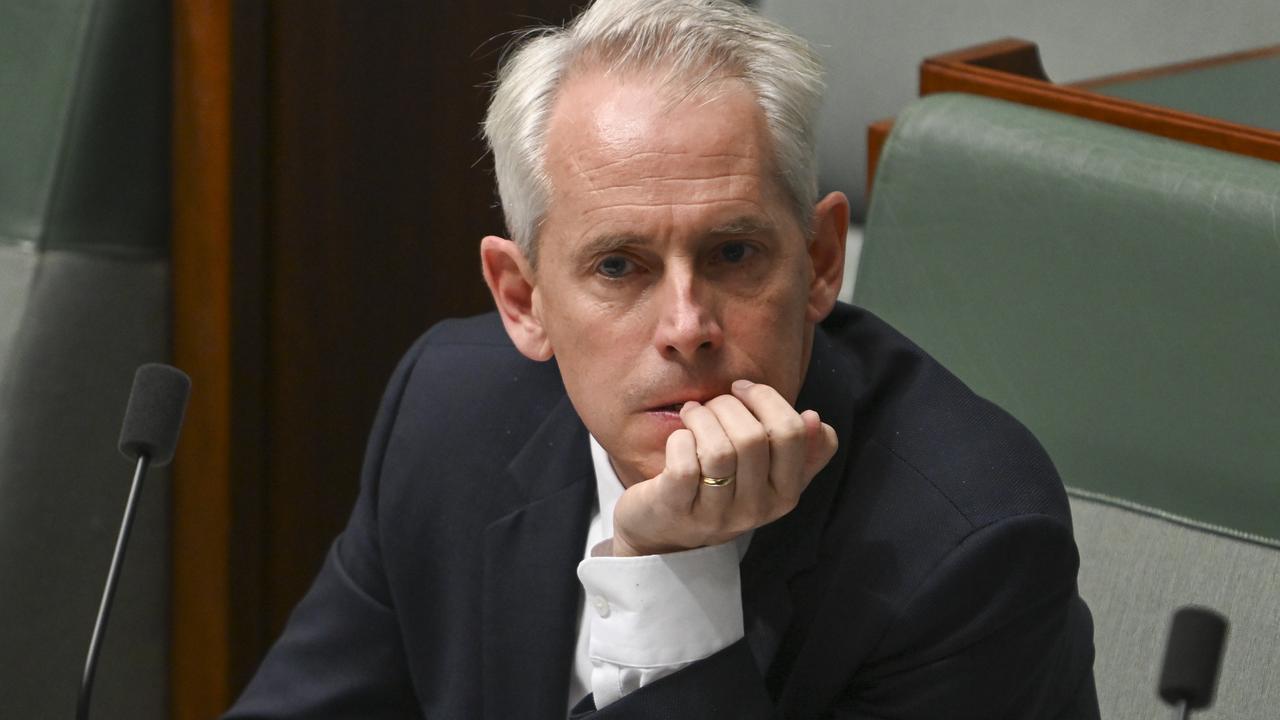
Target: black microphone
1192	659
148	436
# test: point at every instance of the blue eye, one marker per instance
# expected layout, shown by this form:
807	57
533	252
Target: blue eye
734	252
614	266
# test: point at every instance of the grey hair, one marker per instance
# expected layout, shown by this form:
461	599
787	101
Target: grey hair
691	42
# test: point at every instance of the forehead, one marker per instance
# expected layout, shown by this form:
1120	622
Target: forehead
626	141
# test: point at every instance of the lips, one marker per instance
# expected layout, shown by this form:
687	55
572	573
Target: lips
673	405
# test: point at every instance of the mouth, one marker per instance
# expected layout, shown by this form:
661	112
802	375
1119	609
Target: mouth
680	400
674	408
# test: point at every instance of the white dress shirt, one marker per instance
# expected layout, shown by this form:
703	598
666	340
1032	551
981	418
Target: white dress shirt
644	618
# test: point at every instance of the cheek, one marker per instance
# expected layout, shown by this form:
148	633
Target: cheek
593	353
771	332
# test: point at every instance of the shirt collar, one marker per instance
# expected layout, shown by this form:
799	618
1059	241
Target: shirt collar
608	486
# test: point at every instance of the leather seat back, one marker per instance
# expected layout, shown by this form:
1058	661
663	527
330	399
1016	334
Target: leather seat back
1118	293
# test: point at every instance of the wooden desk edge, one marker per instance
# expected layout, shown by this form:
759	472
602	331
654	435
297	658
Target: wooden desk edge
1010	69
877	134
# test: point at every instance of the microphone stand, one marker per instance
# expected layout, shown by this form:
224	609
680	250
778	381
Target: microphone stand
108	592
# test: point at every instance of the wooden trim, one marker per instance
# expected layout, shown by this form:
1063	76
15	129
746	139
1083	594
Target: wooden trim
1189	66
249	622
945	74
1008	55
202	346
877	134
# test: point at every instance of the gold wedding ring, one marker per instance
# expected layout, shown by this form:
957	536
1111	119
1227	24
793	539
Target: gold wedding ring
717	482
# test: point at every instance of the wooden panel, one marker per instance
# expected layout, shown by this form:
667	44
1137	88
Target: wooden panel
1010	69
379	191
201	281
1174	69
330	190
967	71
250	629
877	134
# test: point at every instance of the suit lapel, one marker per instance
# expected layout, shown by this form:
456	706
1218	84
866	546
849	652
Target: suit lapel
784	549
531	589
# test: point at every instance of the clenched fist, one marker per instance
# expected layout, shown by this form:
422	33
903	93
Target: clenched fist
752	435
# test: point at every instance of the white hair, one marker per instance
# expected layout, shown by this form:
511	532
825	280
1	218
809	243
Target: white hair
690	42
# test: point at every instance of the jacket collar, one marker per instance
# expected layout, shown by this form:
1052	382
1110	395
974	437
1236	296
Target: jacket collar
531	591
790	545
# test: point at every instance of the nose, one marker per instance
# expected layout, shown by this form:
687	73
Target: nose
687	324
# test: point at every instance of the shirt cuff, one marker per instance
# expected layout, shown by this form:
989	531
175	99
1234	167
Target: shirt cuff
663	610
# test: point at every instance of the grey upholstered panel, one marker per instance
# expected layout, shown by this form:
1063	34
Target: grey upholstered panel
17	268
873	49
40	50
112	193
89	322
1136	569
84	123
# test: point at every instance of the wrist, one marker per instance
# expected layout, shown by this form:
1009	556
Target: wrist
619	546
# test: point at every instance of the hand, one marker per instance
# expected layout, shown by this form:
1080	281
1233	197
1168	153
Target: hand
753	435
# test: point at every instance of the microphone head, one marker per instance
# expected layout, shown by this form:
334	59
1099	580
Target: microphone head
153	418
1193	657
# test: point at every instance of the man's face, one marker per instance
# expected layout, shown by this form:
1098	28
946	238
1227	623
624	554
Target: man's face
670	263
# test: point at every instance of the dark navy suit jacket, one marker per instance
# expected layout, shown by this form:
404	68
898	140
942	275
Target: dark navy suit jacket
929	570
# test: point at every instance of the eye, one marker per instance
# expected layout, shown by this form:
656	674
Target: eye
734	252
614	266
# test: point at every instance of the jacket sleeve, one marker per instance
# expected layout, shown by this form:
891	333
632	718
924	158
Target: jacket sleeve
724	685
340	655
996	630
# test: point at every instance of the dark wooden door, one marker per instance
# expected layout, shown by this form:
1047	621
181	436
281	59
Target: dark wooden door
330	192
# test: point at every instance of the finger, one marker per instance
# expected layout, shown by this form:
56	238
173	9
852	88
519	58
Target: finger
717	459
677	484
786	433
754	494
821	443
716	454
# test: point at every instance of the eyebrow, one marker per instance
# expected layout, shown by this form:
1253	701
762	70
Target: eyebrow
612	242
606	244
743	225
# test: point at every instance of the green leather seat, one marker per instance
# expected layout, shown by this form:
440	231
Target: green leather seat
1119	293
84	286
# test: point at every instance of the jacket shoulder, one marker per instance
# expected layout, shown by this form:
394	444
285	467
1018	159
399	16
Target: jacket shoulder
976	456
469	392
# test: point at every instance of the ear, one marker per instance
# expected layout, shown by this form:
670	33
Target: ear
826	253
512	283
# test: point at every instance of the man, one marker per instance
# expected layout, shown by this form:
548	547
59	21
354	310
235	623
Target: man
775	506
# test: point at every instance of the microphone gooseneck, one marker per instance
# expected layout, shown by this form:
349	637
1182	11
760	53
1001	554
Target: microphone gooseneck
108	594
148	436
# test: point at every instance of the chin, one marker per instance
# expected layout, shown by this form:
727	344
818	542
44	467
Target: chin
637	466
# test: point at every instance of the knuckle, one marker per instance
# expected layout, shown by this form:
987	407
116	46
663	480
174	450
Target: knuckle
674	508
788	498
720	402
756	437
717	456
791	428
777	511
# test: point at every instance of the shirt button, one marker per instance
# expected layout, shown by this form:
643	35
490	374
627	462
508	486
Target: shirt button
601	605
